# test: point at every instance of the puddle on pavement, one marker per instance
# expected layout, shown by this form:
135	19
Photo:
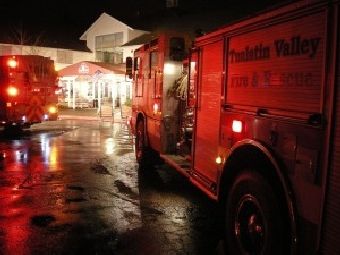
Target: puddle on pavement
151	211
99	169
75	200
42	220
121	186
130	215
79	188
28	133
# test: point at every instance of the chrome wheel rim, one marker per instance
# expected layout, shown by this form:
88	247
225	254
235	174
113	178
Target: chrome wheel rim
250	225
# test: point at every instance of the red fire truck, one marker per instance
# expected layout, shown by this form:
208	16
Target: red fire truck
253	120
27	96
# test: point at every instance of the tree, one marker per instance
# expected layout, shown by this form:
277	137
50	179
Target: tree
21	36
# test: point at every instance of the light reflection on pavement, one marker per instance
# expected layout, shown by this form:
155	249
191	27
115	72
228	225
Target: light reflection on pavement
73	187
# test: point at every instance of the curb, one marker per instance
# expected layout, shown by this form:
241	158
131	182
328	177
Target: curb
92	118
75	117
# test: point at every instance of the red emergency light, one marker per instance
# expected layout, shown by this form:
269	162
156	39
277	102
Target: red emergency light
12	63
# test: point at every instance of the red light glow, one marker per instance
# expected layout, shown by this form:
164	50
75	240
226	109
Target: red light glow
12	91
12	63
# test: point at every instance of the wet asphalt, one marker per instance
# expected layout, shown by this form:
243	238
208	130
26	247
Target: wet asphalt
73	187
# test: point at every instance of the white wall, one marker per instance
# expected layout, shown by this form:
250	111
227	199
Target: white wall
106	25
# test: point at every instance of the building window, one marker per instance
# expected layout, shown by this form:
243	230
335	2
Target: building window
109	41
64	57
108	48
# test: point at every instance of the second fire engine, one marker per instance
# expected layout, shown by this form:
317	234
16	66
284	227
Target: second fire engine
27	96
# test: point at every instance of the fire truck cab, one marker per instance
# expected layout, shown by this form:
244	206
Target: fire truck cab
27	96
156	67
252	118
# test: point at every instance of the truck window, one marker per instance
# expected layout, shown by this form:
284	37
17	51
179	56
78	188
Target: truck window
153	59
139	76
176	49
153	63
154	74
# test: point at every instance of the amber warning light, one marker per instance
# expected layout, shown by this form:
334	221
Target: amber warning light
52	109
237	126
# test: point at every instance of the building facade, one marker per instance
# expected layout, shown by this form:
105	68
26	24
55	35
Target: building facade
101	81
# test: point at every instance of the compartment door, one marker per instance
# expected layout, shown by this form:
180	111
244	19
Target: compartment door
208	107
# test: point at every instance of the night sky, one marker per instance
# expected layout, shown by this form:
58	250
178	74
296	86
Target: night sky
62	22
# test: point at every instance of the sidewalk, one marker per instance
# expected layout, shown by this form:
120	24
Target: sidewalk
92	114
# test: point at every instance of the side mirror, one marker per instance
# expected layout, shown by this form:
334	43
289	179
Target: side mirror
128	66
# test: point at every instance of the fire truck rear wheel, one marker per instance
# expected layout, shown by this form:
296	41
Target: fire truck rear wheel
13	129
254	221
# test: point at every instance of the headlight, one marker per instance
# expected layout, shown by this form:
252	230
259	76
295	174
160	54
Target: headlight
12	91
12	63
52	109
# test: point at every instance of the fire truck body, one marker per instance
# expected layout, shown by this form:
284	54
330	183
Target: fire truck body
28	84
264	93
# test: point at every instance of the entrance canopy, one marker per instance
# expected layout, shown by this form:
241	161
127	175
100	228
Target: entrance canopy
91	69
92	84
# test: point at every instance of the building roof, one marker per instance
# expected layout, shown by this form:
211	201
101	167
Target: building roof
140	40
91	69
103	15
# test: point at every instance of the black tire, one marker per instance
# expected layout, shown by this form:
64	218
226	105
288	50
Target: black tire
13	130
254	221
